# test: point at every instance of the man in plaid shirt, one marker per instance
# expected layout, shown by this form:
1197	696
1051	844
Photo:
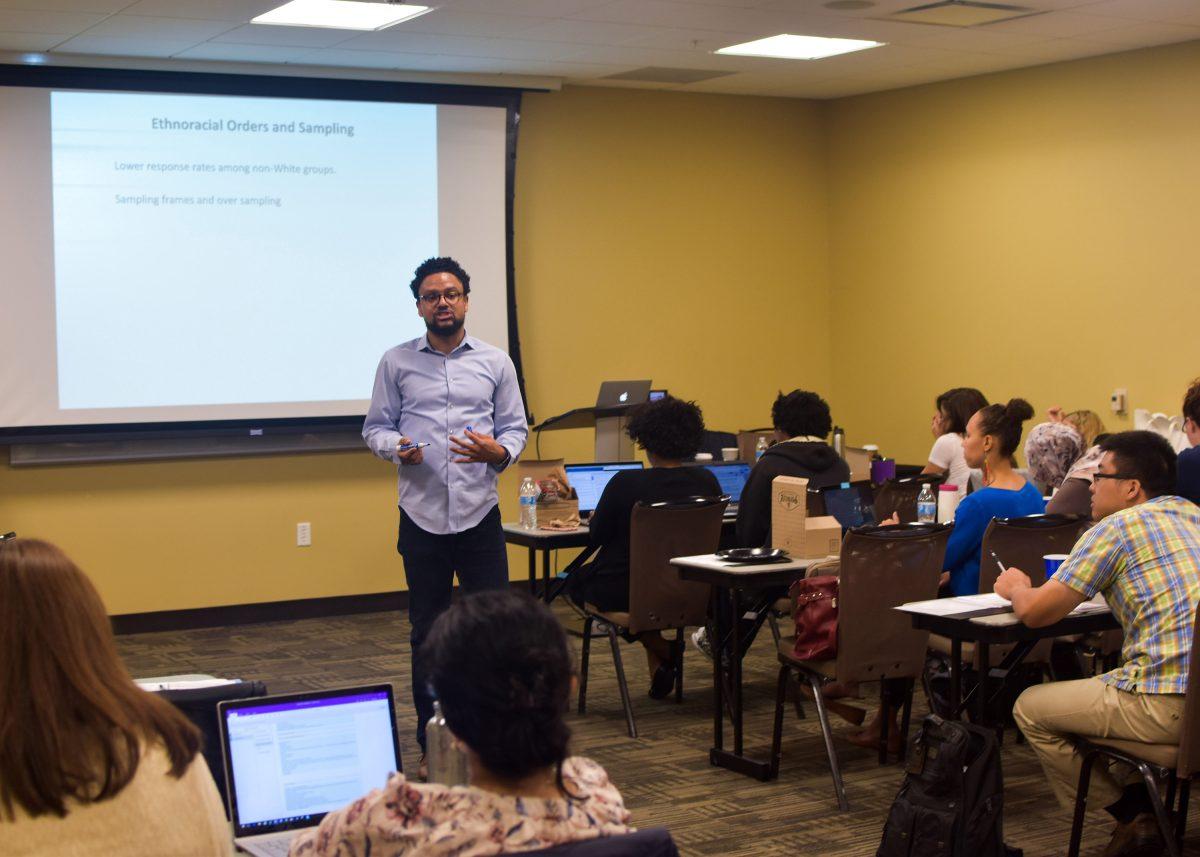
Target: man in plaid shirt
1144	557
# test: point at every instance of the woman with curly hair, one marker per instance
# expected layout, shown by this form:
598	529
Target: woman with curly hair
671	431
501	667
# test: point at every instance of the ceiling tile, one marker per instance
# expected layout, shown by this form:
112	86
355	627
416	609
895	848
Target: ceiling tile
464	46
99	7
465	23
226	52
143	26
585	32
22	21
204	10
538	8
1135	35
32	42
1060	25
114	46
297	37
1178	11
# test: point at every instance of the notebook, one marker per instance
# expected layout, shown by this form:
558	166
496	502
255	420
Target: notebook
589	481
291	759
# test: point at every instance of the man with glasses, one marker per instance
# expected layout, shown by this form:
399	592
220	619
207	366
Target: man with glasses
1144	557
446	408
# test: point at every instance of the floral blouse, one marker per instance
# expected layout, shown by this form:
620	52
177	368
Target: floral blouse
407	818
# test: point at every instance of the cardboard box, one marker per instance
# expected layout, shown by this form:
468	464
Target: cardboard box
860	463
747	440
793	530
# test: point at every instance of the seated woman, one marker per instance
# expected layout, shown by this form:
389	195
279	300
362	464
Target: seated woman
993	435
1050	451
92	764
501	667
1073	494
954	408
1188	464
670	430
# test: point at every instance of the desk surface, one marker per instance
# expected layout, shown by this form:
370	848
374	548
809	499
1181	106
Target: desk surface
1006	628
706	568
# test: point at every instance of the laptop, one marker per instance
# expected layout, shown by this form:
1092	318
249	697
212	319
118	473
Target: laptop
850	503
615	394
732	476
589	481
289	760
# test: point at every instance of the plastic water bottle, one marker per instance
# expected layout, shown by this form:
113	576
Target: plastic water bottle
760	448
839	441
447	761
529	498
926	505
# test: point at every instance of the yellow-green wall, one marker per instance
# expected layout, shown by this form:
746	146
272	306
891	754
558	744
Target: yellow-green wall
1032	233
673	236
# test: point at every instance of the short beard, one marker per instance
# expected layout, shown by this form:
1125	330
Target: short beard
444	329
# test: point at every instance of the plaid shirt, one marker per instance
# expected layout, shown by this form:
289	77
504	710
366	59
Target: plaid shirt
1146	561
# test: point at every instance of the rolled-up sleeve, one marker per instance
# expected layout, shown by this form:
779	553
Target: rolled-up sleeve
383	416
512	431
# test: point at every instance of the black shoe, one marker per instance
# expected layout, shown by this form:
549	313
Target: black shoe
663	682
1137	838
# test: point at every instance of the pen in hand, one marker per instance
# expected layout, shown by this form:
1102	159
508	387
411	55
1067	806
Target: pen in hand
997	559
405	447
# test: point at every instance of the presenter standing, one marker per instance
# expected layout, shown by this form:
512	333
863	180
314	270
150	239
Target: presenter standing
447	409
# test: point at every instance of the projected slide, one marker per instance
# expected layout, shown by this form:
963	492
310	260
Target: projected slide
221	250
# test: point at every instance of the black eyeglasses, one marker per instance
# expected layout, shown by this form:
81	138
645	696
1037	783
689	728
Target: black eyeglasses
451	297
1099	475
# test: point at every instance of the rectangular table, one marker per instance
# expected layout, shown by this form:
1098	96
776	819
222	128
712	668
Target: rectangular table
552	540
997	629
729	581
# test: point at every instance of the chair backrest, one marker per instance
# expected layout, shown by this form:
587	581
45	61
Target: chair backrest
649	842
658	532
1022	542
1189	729
200	706
899	496
882	568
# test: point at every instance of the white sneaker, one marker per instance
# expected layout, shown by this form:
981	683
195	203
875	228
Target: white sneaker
700	641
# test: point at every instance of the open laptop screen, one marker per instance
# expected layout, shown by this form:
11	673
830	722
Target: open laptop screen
850	504
589	480
292	759
732	476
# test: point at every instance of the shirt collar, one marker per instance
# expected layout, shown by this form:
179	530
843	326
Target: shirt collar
468	341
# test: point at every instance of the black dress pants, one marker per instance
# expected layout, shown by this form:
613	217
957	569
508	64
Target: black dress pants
479	557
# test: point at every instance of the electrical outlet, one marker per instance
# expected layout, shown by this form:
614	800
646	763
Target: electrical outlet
1119	400
304	535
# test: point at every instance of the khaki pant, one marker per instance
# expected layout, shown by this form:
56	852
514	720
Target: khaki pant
1089	708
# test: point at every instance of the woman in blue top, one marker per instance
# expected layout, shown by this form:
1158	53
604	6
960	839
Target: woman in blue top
993	435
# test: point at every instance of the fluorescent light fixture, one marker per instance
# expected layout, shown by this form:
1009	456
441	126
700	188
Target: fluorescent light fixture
340	14
789	47
33	59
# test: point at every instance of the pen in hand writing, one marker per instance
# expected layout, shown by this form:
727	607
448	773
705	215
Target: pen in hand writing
997	559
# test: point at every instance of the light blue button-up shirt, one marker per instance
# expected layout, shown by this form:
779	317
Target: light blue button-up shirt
427	396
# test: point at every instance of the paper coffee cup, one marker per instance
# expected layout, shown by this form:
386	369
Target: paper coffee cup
1053	561
703	456
729	453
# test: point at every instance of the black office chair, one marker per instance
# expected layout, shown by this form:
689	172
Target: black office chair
200	707
650	842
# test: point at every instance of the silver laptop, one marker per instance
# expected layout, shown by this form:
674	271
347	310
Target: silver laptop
291	759
615	394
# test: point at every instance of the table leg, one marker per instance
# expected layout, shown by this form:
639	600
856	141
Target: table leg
955	677
981	712
735	667
716	643
546	575
533	571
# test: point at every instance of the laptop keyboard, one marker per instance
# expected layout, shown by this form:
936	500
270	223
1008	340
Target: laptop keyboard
272	847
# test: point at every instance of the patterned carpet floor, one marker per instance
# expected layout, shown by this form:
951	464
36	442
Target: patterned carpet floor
664	774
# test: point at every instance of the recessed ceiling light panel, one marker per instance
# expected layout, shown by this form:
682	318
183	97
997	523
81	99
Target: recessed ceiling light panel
787	46
340	14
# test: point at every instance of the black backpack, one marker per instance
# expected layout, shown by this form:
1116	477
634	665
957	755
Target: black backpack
952	799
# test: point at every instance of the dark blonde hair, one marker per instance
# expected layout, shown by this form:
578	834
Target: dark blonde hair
72	722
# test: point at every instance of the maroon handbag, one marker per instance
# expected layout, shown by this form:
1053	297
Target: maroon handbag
815	609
